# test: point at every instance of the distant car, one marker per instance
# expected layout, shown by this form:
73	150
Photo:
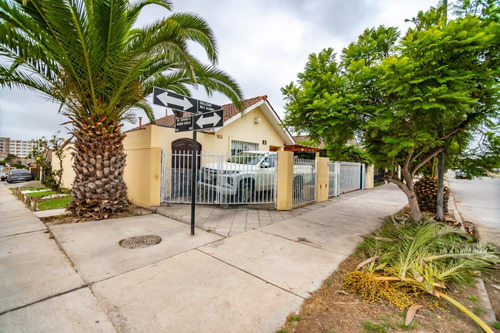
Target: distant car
18	175
459	174
5	172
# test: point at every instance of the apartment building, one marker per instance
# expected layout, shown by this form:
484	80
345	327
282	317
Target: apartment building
19	148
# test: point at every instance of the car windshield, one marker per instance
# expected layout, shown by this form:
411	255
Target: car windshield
19	171
246	158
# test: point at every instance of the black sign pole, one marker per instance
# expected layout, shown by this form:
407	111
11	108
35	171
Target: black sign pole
193	183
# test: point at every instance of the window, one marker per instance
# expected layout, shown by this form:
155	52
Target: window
271	160
241	146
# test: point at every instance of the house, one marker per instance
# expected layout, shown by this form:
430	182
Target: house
256	128
150	175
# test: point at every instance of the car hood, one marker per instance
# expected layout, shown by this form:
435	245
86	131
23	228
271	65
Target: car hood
227	166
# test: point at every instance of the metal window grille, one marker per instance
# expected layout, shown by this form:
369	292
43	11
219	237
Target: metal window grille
242	146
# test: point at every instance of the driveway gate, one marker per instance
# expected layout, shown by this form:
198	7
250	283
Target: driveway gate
333	179
345	177
304	181
245	178
351	176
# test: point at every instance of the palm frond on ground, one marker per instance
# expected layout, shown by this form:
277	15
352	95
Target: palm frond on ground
424	255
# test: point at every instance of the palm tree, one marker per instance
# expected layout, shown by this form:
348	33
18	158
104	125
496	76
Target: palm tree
88	56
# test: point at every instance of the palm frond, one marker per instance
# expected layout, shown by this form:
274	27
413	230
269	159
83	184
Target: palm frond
136	8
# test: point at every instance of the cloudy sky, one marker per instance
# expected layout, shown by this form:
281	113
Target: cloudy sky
263	44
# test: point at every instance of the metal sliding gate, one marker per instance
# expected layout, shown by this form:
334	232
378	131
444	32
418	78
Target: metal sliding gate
333	179
345	177
304	181
245	178
351	176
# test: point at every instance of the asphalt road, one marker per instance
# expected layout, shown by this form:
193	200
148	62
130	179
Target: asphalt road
478	201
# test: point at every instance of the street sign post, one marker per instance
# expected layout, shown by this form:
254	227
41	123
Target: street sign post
208	120
183	103
208	115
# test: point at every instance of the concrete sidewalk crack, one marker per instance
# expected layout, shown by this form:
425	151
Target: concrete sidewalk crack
87	284
24	233
251	274
43	299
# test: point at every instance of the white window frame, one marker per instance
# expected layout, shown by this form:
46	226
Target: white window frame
238	146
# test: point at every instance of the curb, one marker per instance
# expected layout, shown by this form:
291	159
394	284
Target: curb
489	314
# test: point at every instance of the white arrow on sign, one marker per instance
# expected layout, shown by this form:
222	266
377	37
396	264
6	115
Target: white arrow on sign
213	119
165	98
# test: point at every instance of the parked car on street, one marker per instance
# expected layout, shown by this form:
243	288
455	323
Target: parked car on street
5	172
18	175
459	174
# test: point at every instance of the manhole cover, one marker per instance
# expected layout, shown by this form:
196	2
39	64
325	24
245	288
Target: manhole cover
139	241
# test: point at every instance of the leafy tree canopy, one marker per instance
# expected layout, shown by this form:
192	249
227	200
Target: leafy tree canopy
406	100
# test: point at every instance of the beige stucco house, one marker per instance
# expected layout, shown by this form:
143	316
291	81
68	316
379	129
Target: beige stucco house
256	127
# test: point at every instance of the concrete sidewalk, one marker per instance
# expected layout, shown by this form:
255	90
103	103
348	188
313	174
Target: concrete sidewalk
248	282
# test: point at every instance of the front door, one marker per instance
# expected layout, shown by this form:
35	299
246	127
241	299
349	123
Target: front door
181	166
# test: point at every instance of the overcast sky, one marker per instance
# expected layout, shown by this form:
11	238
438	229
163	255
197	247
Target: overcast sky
263	44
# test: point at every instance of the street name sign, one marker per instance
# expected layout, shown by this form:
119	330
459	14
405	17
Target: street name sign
208	120
183	103
183	124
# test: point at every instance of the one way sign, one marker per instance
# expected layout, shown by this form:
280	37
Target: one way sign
209	120
175	101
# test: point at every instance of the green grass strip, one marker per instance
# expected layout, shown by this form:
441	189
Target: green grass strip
40	194
53	203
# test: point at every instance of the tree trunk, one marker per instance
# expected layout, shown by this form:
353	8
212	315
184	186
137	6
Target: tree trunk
440	188
99	160
409	190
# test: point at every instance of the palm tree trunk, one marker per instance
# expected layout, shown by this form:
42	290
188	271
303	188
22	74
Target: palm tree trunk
99	160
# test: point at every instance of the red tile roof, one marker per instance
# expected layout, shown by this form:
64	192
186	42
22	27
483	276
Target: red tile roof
230	111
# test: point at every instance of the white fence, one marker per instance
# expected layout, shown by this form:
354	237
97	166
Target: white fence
304	181
333	179
249	178
246	178
345	177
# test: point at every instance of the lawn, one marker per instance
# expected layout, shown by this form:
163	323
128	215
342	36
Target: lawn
53	203
41	192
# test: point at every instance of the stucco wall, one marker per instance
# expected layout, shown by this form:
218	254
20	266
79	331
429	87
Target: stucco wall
142	175
68	175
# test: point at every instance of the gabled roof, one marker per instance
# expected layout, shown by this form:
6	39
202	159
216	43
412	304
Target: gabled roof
231	114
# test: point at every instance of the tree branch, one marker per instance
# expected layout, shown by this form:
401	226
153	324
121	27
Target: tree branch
408	159
418	155
459	127
425	160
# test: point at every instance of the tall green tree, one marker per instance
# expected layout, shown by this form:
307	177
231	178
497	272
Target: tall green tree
89	56
405	100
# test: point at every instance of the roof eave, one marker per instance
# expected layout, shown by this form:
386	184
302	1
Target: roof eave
271	115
